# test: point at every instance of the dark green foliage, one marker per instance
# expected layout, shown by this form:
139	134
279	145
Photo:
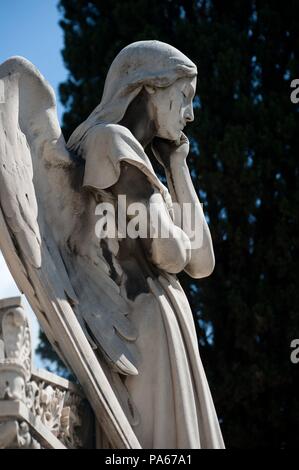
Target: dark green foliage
244	161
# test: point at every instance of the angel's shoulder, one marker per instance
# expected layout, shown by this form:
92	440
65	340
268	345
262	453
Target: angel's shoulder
108	131
112	139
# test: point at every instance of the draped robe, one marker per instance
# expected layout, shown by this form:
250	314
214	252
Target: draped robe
170	398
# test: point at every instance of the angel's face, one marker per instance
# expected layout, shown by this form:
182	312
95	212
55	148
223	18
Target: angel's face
172	107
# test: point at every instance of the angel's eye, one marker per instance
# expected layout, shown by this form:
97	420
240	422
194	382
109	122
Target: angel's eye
184	94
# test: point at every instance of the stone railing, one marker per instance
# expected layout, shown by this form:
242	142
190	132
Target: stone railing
37	408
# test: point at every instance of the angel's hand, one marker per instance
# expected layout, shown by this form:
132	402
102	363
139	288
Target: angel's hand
166	151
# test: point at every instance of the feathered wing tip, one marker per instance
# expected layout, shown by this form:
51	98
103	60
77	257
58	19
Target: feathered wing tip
36	108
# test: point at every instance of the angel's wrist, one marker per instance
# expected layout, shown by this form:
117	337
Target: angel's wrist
177	161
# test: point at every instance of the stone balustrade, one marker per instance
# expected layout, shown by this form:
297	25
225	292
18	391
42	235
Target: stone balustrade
38	409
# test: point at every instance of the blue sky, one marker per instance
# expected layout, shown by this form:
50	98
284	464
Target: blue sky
30	28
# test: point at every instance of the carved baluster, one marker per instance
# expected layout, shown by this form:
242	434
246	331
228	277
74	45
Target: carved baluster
15	372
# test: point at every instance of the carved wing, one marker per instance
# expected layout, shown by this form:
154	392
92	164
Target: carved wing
35	218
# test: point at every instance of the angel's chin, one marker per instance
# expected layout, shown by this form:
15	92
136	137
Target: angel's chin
177	137
173	135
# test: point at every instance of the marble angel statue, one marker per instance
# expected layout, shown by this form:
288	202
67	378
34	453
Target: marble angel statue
112	307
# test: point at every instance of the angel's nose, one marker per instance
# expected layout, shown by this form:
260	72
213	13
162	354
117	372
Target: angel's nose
189	114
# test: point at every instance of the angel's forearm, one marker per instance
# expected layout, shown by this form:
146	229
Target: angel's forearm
182	190
165	244
190	217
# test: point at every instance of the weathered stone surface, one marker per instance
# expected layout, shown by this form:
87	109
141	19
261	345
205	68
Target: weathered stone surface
111	306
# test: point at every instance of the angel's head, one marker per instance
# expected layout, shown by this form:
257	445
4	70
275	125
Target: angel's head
154	68
171	108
